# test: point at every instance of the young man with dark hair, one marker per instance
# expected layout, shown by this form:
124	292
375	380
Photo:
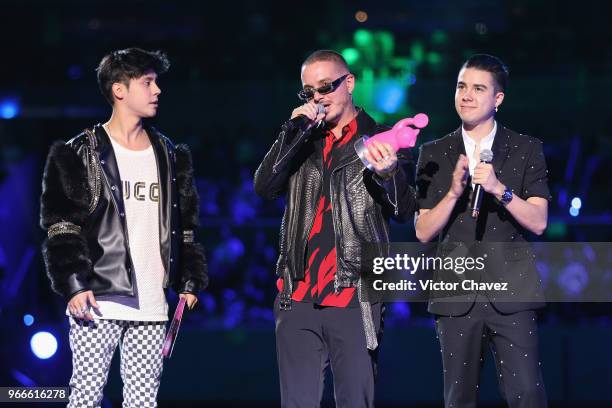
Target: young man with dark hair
333	206
514	205
120	207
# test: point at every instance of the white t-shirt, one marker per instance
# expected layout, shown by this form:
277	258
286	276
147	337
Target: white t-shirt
140	187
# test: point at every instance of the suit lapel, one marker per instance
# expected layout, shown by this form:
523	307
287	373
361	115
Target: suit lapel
455	147
501	145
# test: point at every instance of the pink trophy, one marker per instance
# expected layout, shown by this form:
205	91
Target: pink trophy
400	136
174	329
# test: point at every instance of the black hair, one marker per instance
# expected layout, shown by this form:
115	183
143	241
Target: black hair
123	65
494	65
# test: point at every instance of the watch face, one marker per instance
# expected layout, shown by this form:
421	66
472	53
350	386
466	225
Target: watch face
507	196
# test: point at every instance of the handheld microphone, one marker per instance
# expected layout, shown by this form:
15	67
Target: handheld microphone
320	110
486	156
302	121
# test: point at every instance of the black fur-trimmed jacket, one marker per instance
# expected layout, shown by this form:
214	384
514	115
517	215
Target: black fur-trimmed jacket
83	212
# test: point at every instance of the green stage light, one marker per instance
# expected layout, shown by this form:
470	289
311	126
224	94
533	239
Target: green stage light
384	78
386	43
439	37
363	38
417	51
351	55
434	58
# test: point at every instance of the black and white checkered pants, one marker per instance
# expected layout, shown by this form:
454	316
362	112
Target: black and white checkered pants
93	345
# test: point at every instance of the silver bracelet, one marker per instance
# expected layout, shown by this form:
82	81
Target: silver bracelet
63	227
188	236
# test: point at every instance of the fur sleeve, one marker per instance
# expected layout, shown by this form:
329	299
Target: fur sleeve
189	201
65	190
65	197
193	269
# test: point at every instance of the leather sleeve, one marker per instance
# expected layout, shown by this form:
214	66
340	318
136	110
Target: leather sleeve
272	175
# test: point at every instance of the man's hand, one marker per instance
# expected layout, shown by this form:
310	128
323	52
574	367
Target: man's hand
190	298
460	176
485	176
79	305
382	157
310	110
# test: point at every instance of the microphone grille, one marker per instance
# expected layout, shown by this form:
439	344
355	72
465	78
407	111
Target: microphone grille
486	155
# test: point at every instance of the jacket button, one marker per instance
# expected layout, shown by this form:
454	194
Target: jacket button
113	188
173	178
174	205
122	214
171	260
102	162
173	232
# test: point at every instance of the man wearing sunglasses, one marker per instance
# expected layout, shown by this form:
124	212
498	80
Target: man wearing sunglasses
333	205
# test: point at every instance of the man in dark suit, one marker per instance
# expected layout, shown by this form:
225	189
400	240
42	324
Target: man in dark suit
515	204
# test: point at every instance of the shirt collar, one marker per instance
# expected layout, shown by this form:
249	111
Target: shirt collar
486	141
347	131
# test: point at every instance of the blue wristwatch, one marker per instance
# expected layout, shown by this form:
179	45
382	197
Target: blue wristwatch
506	197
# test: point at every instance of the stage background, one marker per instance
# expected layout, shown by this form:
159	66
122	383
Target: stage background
233	81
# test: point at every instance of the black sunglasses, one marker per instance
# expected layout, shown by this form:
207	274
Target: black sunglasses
307	93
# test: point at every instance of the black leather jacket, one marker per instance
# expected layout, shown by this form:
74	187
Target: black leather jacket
362	202
82	208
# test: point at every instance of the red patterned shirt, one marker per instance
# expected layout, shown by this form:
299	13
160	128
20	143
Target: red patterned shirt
318	283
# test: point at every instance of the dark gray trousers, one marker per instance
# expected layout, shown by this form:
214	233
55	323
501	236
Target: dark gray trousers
309	338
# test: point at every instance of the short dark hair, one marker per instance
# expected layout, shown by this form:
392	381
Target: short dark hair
123	65
489	63
326	55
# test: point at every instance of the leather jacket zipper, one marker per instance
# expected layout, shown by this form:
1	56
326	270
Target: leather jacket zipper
313	219
373	227
379	241
331	198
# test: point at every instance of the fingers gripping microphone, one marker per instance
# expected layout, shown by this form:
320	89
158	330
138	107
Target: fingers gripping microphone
302	121
320	110
486	156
